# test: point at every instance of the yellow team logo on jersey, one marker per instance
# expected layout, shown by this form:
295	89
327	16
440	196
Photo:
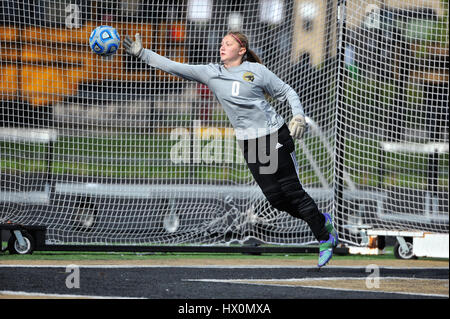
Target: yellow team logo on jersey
249	76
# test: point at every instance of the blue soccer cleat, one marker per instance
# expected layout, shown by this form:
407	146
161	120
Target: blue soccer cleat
330	228
326	246
326	250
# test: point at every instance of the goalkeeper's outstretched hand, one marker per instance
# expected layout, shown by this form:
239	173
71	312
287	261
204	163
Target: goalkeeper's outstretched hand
133	48
297	126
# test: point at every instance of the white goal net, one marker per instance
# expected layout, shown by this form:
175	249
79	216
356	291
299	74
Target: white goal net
392	117
111	151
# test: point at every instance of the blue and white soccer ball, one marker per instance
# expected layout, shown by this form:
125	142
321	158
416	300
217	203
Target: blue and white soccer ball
104	40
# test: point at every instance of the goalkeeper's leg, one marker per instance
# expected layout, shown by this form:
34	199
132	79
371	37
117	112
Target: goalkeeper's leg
284	191
283	188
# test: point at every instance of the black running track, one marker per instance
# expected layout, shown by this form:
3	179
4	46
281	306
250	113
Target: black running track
186	283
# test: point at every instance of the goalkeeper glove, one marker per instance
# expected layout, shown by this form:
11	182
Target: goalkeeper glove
297	126
133	48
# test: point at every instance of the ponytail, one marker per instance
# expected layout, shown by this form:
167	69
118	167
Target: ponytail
250	55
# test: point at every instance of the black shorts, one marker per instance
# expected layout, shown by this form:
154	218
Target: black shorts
271	158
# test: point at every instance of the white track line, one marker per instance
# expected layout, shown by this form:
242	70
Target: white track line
40	294
257	282
316	279
239	281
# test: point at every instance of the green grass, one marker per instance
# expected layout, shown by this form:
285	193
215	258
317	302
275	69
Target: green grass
136	256
156	256
69	256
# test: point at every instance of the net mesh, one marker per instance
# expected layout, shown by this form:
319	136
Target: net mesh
111	151
393	116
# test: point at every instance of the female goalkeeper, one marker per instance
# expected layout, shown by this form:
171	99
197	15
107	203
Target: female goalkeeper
240	84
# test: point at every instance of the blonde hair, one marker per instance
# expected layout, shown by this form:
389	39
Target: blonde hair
249	55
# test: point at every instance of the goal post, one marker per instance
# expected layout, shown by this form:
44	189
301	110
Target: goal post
141	157
392	116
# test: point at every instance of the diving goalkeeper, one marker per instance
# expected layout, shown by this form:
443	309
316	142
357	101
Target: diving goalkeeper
240	83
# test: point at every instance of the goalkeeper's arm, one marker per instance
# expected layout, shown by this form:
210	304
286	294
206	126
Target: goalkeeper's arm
281	91
199	73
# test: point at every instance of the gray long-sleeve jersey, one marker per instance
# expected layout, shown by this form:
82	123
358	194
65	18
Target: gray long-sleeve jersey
240	90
